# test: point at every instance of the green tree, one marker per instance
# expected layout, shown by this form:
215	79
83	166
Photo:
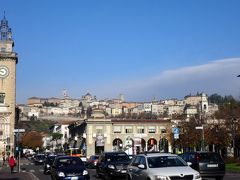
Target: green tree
56	137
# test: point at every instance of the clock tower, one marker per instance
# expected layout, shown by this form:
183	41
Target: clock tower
8	61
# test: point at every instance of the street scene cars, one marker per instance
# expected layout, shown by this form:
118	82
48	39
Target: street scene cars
69	167
209	164
160	166
112	164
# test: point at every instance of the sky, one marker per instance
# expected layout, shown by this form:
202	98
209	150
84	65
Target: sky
143	49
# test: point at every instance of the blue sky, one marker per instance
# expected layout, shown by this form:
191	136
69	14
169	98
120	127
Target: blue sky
142	49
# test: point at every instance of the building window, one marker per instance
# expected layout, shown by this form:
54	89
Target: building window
151	129
2	97
140	130
3	49
128	130
117	129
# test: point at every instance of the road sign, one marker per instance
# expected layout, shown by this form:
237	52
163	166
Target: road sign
175	130
199	127
176	136
19	130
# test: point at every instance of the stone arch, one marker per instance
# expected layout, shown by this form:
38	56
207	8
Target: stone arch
152	144
163	145
117	144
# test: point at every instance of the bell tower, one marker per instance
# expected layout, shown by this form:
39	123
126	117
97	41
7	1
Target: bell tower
8	61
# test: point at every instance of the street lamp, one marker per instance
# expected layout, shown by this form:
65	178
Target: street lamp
202	128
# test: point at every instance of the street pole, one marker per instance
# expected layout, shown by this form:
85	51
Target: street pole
18	154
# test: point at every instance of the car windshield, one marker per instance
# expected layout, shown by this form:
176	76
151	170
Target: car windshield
40	157
67	162
206	157
118	157
165	161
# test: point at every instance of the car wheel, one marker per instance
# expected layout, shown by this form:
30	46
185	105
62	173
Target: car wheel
107	176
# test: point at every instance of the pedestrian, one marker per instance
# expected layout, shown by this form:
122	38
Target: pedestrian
12	163
4	158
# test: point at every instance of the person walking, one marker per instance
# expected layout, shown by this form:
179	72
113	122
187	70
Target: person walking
12	163
4	158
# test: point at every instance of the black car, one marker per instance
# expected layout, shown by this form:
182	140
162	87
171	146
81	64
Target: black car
48	163
39	159
69	167
112	164
208	164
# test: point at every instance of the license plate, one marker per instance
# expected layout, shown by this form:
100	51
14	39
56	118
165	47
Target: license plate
212	165
74	178
123	171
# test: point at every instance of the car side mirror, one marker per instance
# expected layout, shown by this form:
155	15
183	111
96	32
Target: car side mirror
189	163
141	166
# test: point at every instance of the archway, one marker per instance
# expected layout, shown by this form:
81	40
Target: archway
163	145
99	144
152	144
129	146
117	144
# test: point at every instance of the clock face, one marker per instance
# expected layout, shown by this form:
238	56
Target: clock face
3	71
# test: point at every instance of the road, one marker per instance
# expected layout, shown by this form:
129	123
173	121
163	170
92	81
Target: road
37	171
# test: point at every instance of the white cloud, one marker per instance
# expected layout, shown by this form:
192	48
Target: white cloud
218	76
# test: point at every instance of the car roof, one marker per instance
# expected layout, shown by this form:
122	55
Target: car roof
115	152
69	157
151	154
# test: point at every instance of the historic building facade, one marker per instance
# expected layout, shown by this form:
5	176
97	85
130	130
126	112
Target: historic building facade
94	136
8	61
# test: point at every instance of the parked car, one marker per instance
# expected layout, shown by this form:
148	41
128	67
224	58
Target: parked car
92	161
39	159
48	163
160	166
69	167
112	164
209	164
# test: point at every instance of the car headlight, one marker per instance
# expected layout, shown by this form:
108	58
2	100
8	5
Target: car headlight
61	174
160	177
85	172
197	176
48	166
110	166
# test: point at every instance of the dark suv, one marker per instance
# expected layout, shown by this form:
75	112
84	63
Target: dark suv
112	164
208	164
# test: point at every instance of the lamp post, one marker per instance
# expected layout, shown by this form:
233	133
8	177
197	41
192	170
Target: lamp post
202	128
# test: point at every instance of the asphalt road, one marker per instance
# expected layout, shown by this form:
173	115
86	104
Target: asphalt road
37	172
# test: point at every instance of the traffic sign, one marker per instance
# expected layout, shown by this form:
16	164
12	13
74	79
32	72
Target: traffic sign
175	130
19	130
176	136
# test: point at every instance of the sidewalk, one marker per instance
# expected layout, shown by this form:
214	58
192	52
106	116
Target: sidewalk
6	175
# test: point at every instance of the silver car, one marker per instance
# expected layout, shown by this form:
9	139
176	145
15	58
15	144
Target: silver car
160	166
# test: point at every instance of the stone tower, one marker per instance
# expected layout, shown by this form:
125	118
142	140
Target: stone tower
8	61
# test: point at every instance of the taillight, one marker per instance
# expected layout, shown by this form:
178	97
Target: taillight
198	158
